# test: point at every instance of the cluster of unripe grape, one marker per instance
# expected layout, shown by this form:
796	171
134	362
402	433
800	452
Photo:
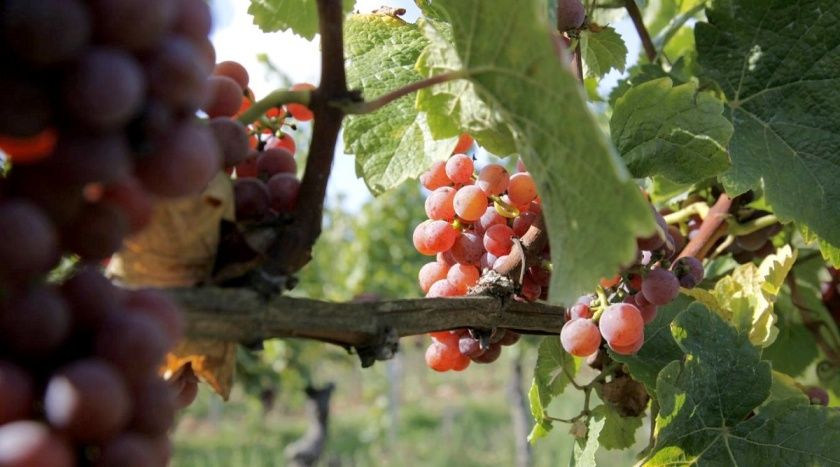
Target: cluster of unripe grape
99	122
474	218
627	302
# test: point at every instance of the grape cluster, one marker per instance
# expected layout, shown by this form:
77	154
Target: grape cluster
628	301
474	218
99	120
266	183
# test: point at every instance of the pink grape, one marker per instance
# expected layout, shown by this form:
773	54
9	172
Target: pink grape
459	168
628	349
490	218
530	290
431	273
470	203
440	236
442	288
439	204
579	310
622	325
463	276
487	261
523	222
468	248
419	238
493	179
498	239
580	337
435	177
522	189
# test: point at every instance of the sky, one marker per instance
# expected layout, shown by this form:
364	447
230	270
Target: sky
237	38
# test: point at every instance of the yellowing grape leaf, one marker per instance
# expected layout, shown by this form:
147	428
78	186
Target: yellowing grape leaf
746	296
177	249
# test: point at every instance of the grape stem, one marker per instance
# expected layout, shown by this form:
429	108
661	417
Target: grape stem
274	99
713	228
699	208
749	227
385	99
636	16
674	26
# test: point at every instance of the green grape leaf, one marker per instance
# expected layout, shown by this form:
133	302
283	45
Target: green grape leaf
783	387
793	350
746	296
776	61
299	16
586	447
394	143
672	131
618	432
602	51
659	348
711	410
593	209
830	253
454	107
551	376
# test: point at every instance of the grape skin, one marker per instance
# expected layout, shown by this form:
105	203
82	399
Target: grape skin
431	273
459	168
621	324
580	337
493	179
439	204
660	287
522	189
498	239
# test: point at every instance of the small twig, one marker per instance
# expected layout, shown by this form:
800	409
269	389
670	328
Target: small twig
275	99
699	208
754	225
381	101
636	16
713	227
668	33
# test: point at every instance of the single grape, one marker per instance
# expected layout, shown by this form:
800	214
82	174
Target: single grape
195	21
817	395
224	97
493	179
498	239
464	144
530	290
657	240
689	271
300	112
468	248
488	260
128	449
469	346
133	343
133	24
753	241
97	232
436	359
440	236
231	139
621	324
153	407
522	189
490	218
580	337
463	276
28	443
177	74
89	400
251	199
283	141
570	14
16	393
283	191
523	222
248	167
431	273
186	160
445	257
490	355
435	177
439	204
610	282
91	297
419	238
443	288
274	161
660	286
156	305
28	242
510	338
132	200
629	349
460	168
234	71
579	310
35	322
